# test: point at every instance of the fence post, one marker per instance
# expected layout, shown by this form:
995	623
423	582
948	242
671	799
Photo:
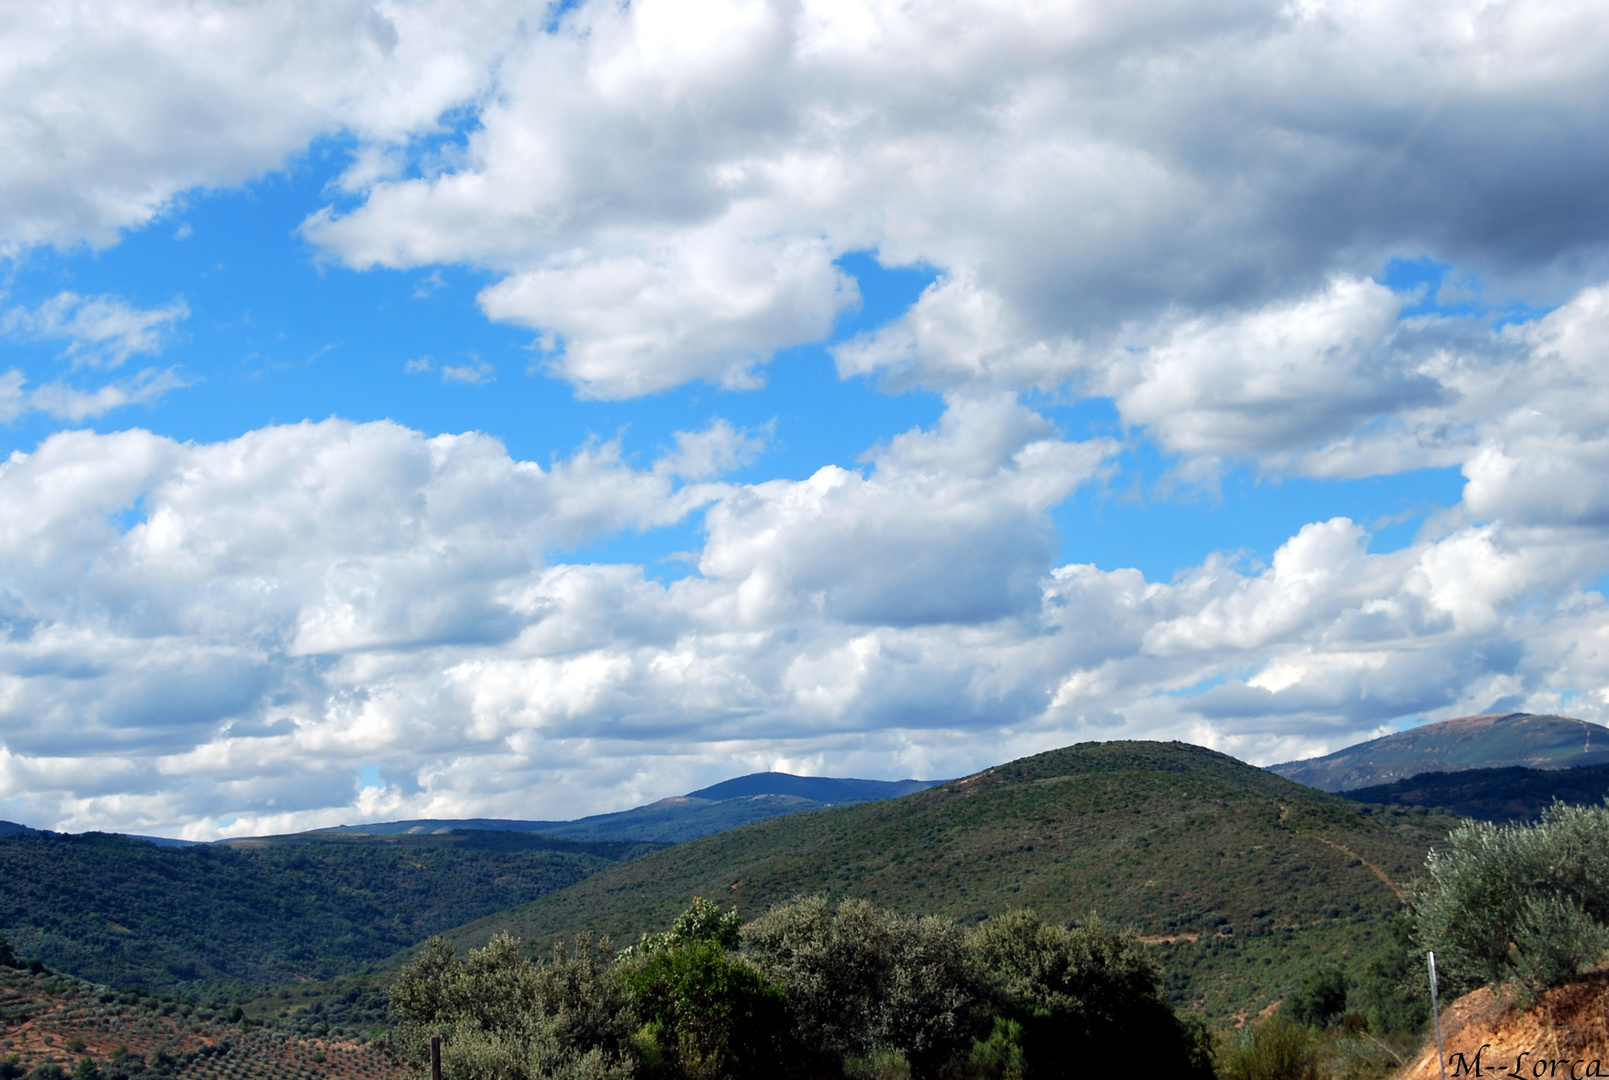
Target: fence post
435	1057
1435	1012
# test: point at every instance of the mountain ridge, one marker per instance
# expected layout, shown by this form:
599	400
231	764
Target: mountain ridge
725	805
1482	741
1212	859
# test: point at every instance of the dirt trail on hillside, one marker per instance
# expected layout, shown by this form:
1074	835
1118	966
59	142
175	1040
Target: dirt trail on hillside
1568	1029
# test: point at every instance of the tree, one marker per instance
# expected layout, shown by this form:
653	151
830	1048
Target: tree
1320	999
1394	989
1518	902
1088	999
707	1015
865	982
501	1017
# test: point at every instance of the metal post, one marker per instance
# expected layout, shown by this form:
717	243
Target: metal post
435	1056
1435	1012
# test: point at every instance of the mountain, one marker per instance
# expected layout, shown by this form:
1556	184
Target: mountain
1242	878
727	805
126	912
1512	794
1489	741
826	790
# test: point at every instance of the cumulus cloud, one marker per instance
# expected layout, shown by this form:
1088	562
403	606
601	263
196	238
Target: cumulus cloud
232	628
111	111
1178	207
666	188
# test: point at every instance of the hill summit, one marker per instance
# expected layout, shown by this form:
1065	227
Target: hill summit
726	805
1244	878
1488	741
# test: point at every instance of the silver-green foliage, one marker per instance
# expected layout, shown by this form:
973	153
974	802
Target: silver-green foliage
502	1017
866	982
1526	903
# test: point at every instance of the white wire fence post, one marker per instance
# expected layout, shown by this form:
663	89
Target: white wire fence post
1435	1013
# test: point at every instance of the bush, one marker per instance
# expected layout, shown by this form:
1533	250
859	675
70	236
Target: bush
1320	1000
1394	990
1086	999
1000	1056
707	1015
1518	902
865	983
1276	1049
501	1017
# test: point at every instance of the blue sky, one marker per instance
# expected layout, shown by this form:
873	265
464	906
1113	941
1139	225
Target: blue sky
275	334
504	409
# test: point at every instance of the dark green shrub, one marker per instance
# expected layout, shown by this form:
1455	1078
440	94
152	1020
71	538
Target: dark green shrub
1276	1049
707	1015
1089	1000
1320	999
1394	990
1000	1056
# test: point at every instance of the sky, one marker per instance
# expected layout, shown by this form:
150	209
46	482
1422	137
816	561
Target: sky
485	408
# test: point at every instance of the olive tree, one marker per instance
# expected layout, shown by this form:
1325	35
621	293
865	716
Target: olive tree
1518	902
865	983
502	1017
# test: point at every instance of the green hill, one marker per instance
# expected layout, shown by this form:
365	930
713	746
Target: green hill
1492	741
1241	877
125	912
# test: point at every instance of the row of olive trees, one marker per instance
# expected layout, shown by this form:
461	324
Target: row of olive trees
1527	904
811	989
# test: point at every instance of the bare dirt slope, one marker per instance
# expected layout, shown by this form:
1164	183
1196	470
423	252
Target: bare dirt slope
1565	1034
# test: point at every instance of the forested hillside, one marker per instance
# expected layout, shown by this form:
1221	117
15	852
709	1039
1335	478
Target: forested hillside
1242	878
124	912
1513	794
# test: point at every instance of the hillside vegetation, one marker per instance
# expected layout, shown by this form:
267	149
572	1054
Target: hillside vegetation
124	912
1243	879
1500	795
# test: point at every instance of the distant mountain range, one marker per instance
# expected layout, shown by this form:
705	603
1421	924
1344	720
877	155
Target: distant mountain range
1489	741
727	805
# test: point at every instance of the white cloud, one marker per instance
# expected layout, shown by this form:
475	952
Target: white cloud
70	403
100	331
475	372
110	111
1177	207
665	187
201	630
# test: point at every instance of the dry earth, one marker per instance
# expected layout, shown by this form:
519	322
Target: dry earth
1564	1035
